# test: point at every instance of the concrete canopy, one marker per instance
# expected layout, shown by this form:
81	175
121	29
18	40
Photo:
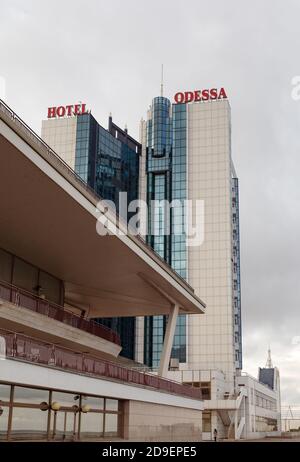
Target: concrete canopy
48	218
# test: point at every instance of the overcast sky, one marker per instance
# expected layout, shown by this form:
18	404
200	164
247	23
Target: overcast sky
109	53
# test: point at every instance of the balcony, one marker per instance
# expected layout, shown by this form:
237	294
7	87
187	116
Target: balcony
28	349
25	299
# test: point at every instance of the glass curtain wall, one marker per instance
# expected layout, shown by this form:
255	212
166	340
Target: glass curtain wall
166	180
43	414
108	161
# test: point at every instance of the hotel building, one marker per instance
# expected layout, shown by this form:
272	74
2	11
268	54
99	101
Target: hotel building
186	155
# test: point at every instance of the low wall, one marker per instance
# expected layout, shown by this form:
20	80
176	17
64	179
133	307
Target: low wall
290	434
156	422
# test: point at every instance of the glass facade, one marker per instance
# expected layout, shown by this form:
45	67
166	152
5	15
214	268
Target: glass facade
43	414
166	181
125	328
108	161
206	422
265	424
22	274
236	273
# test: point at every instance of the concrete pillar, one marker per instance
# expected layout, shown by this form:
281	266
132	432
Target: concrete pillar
168	342
236	414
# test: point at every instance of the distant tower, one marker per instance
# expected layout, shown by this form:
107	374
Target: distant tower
269	364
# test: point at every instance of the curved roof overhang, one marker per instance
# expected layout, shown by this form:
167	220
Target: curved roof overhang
48	217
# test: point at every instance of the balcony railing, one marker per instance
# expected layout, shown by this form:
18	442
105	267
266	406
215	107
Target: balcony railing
32	302
35	351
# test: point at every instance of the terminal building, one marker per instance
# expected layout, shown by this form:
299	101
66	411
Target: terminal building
61	374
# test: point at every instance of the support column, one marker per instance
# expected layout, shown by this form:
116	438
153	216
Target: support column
236	413
168	342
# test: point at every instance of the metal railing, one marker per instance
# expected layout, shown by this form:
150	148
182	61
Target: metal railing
31	350
32	302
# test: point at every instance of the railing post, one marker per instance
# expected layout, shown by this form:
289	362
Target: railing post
17	298
14	348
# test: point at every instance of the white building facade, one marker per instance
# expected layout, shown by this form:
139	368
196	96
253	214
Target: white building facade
187	154
201	132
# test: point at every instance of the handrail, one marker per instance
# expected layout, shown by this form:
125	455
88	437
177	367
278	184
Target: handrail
33	350
36	138
25	299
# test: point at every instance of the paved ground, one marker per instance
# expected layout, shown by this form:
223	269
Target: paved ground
274	440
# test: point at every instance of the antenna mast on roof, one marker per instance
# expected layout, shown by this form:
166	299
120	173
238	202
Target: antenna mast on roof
269	364
162	81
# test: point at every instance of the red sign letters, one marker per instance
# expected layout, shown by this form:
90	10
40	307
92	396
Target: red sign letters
70	110
200	95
